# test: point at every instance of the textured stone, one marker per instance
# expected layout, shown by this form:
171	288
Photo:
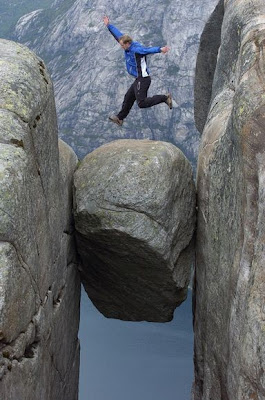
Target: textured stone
39	282
135	216
230	275
205	65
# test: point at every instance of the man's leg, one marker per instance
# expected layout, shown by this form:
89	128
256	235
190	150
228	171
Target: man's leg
141	87
127	104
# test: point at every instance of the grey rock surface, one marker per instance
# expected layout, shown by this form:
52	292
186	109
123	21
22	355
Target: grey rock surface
39	282
88	69
206	64
230	280
135	217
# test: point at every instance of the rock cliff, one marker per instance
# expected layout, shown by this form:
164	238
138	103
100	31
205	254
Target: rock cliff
39	298
89	73
135	218
39	283
230	276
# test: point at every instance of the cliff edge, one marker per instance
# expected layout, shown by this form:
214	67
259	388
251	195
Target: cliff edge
230	278
39	283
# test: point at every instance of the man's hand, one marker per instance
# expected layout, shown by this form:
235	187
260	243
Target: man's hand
165	49
106	20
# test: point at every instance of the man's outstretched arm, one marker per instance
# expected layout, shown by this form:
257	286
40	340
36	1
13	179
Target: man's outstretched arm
113	30
151	50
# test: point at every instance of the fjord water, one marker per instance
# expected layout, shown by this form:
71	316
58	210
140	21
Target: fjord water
135	360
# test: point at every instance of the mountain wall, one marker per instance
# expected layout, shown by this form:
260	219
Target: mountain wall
12	10
88	69
230	276
39	283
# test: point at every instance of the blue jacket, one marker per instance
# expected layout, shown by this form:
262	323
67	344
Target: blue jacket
135	56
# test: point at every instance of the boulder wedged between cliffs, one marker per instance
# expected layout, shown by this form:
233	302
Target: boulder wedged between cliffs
135	217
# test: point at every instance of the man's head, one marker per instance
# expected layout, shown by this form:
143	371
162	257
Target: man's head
125	41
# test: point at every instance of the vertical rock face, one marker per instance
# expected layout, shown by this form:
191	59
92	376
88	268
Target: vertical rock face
135	217
230	274
206	63
39	285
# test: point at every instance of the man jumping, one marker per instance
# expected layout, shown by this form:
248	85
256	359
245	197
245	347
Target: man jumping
135	58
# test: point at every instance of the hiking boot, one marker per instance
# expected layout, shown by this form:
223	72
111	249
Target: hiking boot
116	120
169	100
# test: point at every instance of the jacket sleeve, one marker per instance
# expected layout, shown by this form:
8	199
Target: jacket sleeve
114	31
146	50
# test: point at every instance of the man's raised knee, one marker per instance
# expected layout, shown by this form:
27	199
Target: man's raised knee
142	104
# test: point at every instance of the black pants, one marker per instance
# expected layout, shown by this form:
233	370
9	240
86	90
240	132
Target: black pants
138	91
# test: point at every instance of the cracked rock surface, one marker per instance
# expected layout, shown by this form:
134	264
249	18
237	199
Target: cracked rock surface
39	284
230	275
135	217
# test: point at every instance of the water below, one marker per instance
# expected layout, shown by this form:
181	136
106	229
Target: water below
135	360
